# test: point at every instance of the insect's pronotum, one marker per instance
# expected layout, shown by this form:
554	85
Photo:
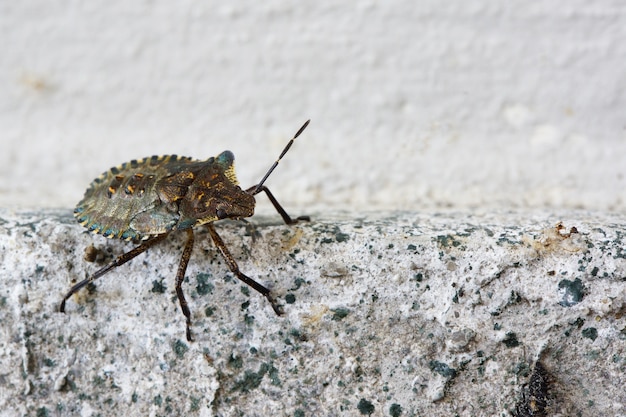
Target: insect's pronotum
145	200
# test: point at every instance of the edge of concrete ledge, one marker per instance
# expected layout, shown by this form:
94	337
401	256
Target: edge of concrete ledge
386	313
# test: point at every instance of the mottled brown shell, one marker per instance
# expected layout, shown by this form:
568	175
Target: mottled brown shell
155	195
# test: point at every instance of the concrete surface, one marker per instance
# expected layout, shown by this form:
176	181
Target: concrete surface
433	104
388	314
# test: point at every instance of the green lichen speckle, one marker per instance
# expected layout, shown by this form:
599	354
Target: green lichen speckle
365	407
180	348
522	369
42	412
573	292
395	410
297	334
245	290
290	298
340	313
203	287
340	236
273	374
297	283
195	404
298	413
235	362
158	287
442	369
97	381
447	241
168	405
510	340
514	298
590	333
578	323
251	380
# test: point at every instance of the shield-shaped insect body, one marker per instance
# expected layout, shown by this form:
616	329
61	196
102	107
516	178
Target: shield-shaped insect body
145	200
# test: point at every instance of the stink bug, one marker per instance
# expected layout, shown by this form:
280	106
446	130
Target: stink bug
146	200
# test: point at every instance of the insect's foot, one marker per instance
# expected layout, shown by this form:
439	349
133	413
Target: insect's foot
278	309
188	334
298	219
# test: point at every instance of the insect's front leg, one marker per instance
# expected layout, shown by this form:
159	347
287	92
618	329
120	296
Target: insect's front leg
120	260
232	265
287	219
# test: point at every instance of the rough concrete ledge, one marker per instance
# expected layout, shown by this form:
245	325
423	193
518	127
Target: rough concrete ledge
387	314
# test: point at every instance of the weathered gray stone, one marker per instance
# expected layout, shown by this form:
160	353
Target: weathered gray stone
394	314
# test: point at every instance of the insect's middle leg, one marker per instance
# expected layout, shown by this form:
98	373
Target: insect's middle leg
120	260
180	276
232	265
286	218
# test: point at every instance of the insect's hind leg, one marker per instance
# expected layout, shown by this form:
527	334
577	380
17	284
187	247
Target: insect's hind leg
180	276
120	260
287	219
232	265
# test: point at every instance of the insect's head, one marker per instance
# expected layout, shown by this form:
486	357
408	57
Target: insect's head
234	204
215	194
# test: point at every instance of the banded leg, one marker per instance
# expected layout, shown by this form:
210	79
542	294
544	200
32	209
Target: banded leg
286	218
180	276
120	260
232	265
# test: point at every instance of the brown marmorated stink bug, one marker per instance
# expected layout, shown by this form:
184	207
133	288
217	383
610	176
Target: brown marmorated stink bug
146	200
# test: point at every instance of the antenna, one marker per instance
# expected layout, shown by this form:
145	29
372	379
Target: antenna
258	187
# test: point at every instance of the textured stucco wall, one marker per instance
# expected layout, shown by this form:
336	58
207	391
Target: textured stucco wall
413	104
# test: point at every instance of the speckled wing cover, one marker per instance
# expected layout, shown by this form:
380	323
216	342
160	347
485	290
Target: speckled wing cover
139	199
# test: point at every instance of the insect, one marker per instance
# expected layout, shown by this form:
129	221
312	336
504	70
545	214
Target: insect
144	201
534	399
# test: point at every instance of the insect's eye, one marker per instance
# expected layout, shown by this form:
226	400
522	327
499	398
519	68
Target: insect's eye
221	214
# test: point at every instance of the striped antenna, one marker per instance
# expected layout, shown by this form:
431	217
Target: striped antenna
258	187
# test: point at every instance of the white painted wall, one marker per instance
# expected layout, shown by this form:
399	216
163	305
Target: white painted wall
413	104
